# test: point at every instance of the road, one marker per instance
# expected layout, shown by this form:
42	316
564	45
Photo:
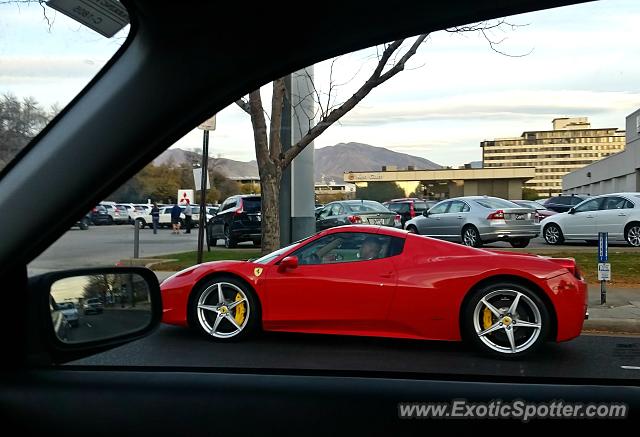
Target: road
588	356
111	322
106	245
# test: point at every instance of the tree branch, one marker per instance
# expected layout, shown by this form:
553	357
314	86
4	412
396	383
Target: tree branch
244	105
374	80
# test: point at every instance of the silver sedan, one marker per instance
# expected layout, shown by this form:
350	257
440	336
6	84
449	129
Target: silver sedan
475	220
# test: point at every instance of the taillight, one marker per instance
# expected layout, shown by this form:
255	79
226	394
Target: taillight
412	211
354	219
240	209
538	217
397	220
569	264
498	215
94	210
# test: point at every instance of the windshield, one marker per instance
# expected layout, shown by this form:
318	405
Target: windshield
265	259
43	67
366	206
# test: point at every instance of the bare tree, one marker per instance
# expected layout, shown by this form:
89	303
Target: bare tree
273	160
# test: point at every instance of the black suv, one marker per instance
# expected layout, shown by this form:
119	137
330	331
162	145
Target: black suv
238	219
564	203
409	207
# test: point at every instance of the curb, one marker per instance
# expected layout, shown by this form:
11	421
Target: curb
142	262
629	326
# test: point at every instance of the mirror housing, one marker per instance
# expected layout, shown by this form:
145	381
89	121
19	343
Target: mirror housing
425	213
288	262
52	321
572	210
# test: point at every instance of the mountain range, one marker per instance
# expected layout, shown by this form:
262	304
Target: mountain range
330	162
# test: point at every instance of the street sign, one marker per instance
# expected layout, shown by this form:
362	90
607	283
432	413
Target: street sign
197	177
603	247
184	195
604	272
209	124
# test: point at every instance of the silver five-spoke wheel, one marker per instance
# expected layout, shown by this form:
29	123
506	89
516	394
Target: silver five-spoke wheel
223	309
633	235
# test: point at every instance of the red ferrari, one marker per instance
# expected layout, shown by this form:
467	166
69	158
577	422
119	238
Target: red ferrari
380	281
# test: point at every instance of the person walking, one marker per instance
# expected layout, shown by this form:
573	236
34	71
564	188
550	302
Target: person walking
155	217
188	212
175	218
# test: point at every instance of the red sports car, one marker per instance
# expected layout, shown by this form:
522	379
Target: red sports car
380	281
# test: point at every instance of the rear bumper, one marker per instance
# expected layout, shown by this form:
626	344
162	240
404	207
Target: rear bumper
496	233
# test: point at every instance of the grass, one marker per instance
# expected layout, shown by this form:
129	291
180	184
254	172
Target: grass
188	259
625	266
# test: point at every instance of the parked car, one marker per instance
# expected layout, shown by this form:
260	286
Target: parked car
60	324
116	215
343	281
563	203
164	219
84	222
70	312
355	212
475	220
618	214
541	212
408	208
93	305
100	216
239	219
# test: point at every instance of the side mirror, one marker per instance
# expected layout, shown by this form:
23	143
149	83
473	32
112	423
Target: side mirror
289	262
86	311
572	210
425	213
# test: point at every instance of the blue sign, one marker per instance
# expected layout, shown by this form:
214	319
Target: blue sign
603	247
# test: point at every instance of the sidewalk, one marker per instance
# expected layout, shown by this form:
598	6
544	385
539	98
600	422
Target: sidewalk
621	313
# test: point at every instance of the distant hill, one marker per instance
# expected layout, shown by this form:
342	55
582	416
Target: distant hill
330	162
333	161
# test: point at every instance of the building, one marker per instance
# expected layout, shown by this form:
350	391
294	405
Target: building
571	145
613	174
328	192
446	183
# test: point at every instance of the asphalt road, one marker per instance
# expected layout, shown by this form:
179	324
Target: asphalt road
106	245
588	356
111	322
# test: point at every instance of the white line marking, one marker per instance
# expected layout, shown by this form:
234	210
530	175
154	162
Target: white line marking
631	367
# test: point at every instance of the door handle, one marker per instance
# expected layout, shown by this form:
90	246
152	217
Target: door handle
460	217
589	216
622	214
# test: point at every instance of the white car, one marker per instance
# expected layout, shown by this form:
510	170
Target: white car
165	217
70	312
617	213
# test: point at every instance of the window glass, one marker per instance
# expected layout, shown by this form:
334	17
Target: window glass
366	206
494	203
346	247
589	205
458	206
440	208
614	202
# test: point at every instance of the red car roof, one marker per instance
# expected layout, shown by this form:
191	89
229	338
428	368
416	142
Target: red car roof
386	230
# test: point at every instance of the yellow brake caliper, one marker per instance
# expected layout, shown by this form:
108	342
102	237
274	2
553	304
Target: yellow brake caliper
240	310
487	319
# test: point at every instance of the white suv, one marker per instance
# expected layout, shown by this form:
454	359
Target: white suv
617	213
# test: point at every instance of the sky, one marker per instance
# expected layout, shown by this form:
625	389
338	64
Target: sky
456	92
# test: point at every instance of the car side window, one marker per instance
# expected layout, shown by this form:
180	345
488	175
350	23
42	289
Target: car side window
458	206
614	202
440	208
349	247
336	209
229	204
590	205
324	212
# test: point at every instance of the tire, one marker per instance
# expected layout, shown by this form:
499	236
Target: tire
632	234
110	220
553	234
471	237
204	320
142	223
519	243
229	241
84	225
412	229
477	318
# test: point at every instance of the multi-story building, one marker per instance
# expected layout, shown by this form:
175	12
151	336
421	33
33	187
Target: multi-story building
571	145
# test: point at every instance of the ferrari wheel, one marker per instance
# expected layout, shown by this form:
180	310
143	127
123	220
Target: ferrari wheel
506	320
224	308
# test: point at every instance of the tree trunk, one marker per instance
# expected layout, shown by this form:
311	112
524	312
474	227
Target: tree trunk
270	193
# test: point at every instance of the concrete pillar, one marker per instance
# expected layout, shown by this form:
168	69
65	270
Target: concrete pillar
470	188
514	189
297	196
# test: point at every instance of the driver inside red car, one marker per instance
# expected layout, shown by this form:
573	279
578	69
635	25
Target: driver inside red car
370	249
